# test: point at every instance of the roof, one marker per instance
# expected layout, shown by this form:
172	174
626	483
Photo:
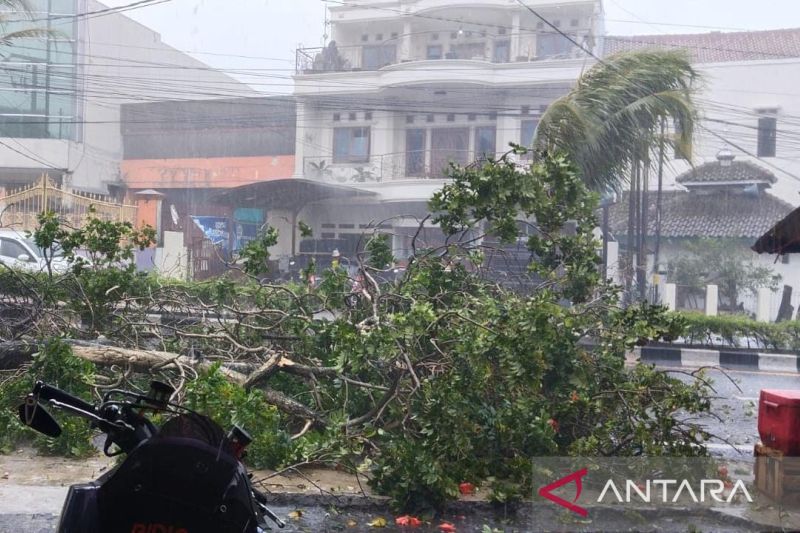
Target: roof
290	193
782	238
694	215
716	47
737	171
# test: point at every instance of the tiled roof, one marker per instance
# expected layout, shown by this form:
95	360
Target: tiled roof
693	215
715	172
716	47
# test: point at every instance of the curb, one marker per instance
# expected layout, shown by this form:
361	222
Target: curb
723	358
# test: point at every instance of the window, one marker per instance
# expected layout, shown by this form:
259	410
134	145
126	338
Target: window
526	110
552	45
9	248
485	142
471	117
574	23
767	136
375	57
337	117
451	117
434	51
365	38
502	52
469	51
527	133
415	153
368	115
409	119
449	145
351	145
351	116
429	118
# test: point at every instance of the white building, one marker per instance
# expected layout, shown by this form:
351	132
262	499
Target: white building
60	111
405	87
749	109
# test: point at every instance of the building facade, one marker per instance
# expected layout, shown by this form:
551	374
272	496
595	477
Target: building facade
62	94
406	87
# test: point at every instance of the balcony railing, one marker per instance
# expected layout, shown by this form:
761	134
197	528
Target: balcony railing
387	167
375	57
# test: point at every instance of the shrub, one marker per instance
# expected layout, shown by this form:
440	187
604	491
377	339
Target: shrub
56	366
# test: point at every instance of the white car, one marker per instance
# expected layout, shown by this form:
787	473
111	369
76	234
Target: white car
19	252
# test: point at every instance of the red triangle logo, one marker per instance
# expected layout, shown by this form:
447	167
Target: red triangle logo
547	492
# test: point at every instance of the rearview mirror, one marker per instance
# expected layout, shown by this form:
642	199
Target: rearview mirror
24	257
35	416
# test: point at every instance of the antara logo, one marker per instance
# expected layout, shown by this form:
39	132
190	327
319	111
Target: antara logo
663	490
157	528
547	492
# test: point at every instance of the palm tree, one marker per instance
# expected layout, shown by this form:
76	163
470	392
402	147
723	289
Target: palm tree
612	125
16	12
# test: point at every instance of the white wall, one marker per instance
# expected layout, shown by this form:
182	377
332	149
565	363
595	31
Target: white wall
121	62
732	92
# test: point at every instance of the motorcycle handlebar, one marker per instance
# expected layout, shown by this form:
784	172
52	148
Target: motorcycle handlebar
47	392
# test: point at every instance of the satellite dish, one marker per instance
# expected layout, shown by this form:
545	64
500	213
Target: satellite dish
176	219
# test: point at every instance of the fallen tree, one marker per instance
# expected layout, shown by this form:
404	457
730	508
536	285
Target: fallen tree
423	380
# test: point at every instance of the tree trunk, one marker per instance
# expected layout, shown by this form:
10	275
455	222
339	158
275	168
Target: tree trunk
15	354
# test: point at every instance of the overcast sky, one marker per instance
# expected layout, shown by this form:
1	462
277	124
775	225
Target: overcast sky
268	31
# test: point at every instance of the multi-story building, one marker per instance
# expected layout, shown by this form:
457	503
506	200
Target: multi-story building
405	87
61	94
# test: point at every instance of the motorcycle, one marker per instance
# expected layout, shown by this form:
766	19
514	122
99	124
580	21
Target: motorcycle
185	477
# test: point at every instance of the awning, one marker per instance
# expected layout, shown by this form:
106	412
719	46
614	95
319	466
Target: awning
292	194
782	238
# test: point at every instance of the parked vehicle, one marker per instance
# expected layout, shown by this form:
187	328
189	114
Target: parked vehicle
20	252
184	477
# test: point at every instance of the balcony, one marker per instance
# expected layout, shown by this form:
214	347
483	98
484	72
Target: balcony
373	57
423	164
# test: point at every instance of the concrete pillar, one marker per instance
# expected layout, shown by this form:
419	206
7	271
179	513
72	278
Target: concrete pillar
300	139
712	300
670	296
613	262
405	42
764	308
515	37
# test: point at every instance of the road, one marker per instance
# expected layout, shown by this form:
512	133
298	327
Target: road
736	405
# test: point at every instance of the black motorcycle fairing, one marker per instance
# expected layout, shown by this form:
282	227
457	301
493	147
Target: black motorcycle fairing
150	487
80	511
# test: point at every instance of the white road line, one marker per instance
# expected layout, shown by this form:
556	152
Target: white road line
737	447
745	399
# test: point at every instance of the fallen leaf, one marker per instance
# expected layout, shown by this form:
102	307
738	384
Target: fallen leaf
406	520
352	523
466	488
378	522
297	514
447	527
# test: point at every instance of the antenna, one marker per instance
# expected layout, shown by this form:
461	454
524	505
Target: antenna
325	26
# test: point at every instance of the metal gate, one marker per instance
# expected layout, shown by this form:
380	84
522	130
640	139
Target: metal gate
21	207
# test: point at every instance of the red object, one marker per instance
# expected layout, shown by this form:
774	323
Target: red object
447	527
779	420
409	521
466	488
553	423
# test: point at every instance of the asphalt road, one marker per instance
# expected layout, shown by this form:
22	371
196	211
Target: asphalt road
736	405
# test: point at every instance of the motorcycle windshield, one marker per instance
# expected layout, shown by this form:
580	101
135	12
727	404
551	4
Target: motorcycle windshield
194	426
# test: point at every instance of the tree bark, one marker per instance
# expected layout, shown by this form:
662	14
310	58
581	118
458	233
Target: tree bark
16	354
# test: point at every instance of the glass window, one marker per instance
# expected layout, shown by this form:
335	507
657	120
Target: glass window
375	57
351	145
485	142
767	136
415	153
552	45
448	145
434	51
502	52
469	51
527	132
9	248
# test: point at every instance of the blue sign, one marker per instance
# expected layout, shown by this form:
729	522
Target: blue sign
216	229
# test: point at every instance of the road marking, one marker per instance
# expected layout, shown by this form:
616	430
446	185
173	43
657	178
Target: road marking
745	399
741	448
